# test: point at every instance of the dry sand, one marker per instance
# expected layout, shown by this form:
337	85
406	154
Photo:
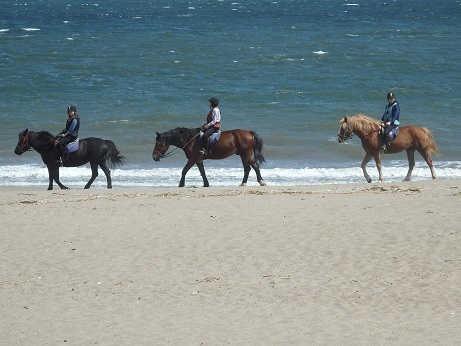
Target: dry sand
356	264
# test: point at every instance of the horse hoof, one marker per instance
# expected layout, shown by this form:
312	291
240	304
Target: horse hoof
243	184
262	183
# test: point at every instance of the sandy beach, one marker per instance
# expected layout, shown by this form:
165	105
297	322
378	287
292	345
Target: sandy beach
356	264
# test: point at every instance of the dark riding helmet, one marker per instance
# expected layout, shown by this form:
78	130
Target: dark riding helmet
214	101
71	108
390	95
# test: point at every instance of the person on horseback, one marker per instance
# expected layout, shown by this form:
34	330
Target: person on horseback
390	120
212	125
69	134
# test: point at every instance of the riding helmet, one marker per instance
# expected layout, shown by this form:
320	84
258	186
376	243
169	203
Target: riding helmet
71	108
390	95
214	101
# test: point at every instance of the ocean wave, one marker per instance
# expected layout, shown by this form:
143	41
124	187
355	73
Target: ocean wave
37	175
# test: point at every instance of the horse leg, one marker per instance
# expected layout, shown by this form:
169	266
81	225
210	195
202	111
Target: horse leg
246	172
377	156
366	159
428	159
255	166
53	174
411	163
201	169
94	174
186	168
106	171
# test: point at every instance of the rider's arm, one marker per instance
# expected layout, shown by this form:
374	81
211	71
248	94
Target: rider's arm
383	117
72	126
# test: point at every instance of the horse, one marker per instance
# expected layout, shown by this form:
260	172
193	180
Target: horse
247	144
96	151
410	138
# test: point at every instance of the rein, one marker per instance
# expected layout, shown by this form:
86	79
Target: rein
173	151
351	134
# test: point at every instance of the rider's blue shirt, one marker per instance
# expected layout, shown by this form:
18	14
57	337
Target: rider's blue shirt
391	114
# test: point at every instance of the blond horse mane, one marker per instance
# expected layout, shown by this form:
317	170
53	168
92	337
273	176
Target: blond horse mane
362	123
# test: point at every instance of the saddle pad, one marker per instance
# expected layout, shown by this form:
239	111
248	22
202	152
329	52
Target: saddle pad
72	146
215	137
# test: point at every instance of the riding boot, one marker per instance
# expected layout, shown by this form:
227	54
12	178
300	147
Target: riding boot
64	154
204	149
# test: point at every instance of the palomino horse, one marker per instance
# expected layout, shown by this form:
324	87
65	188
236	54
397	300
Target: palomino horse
96	151
410	138
240	142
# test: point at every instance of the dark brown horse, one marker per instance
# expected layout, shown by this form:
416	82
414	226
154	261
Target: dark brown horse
410	138
247	144
96	151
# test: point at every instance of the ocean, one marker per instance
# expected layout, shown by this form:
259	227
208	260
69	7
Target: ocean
286	69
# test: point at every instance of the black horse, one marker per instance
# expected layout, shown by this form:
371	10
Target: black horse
96	151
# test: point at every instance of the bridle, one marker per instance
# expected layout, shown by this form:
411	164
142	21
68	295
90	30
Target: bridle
25	144
348	133
162	152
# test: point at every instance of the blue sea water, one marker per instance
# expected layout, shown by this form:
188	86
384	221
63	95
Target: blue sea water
284	69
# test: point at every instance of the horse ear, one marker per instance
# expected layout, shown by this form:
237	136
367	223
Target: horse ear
26	131
158	134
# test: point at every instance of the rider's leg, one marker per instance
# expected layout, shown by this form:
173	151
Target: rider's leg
205	139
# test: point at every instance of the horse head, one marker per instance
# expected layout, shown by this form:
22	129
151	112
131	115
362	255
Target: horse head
160	148
23	143
345	131
179	137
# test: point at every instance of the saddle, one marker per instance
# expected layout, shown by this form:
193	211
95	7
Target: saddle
394	131
65	149
211	140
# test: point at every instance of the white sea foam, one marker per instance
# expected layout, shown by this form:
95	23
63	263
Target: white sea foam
37	175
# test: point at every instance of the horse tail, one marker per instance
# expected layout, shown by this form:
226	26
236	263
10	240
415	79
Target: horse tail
114	158
431	146
257	147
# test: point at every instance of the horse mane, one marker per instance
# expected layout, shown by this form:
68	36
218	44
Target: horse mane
43	138
181	134
362	123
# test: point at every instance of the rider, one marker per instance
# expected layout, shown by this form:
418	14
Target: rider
69	134
390	120
212	125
